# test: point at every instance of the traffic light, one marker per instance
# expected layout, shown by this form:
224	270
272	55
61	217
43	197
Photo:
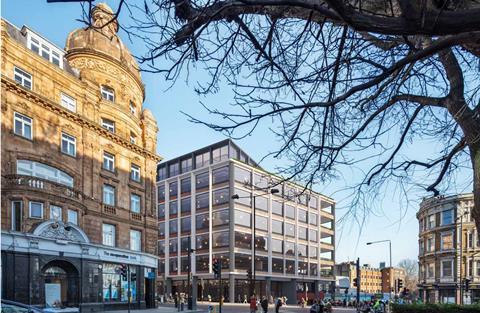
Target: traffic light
467	284
123	271
355	282
133	276
400	284
217	268
249	274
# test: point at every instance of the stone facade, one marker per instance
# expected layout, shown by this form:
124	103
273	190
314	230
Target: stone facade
449	248
78	154
92	59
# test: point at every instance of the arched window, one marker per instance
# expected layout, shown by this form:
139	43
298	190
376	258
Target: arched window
108	93
44	171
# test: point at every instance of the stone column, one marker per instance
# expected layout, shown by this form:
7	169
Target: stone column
268	287
231	288
291	293
194	292
168	286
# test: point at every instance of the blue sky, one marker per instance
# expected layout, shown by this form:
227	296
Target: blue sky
391	220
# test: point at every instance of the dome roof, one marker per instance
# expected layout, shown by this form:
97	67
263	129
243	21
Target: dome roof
102	38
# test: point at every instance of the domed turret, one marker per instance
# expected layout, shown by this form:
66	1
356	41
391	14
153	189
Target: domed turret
98	51
102	37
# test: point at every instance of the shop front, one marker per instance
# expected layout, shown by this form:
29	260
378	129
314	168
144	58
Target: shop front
56	267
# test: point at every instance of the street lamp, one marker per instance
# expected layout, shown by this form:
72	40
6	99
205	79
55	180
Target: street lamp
254	196
390	249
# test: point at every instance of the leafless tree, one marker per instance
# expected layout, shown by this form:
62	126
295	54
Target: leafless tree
336	80
411	273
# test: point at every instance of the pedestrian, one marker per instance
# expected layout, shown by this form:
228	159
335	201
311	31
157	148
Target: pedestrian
182	301
253	304
264	304
175	299
278	304
245	299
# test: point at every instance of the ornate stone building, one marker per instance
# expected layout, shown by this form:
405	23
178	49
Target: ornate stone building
78	170
449	250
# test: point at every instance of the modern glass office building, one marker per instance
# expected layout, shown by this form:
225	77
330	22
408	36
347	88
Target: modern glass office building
293	245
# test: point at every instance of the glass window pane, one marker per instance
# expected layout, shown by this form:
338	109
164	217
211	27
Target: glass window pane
202	201
185	185
220	175
202	222
261	222
221	196
243	176
243	240
277	227
201	181
242	218
221	239
221	218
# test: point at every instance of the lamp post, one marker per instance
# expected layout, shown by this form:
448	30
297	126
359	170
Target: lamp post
460	284
253	197
390	251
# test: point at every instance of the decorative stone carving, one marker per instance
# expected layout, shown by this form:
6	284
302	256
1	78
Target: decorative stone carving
100	66
60	231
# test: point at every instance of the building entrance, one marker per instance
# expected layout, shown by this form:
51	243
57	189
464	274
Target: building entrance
60	284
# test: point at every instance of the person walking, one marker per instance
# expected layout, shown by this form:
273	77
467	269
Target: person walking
278	304
253	304
175	299
264	304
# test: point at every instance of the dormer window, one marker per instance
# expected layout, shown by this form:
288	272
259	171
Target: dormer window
133	108
45	49
108	93
108	125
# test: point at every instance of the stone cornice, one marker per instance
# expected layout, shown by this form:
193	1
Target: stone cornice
9	84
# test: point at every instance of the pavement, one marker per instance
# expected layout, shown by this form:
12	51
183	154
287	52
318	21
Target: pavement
202	307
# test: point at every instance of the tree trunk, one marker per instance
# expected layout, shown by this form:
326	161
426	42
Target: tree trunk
475	156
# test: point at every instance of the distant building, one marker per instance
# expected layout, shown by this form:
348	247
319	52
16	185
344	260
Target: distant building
295	228
370	277
390	277
447	258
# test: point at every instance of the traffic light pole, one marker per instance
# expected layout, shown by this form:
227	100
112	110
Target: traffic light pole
220	285
128	287
252	283
358	282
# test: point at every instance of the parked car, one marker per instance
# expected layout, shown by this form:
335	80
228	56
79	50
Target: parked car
17	307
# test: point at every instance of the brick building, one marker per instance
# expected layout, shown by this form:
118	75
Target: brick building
78	170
